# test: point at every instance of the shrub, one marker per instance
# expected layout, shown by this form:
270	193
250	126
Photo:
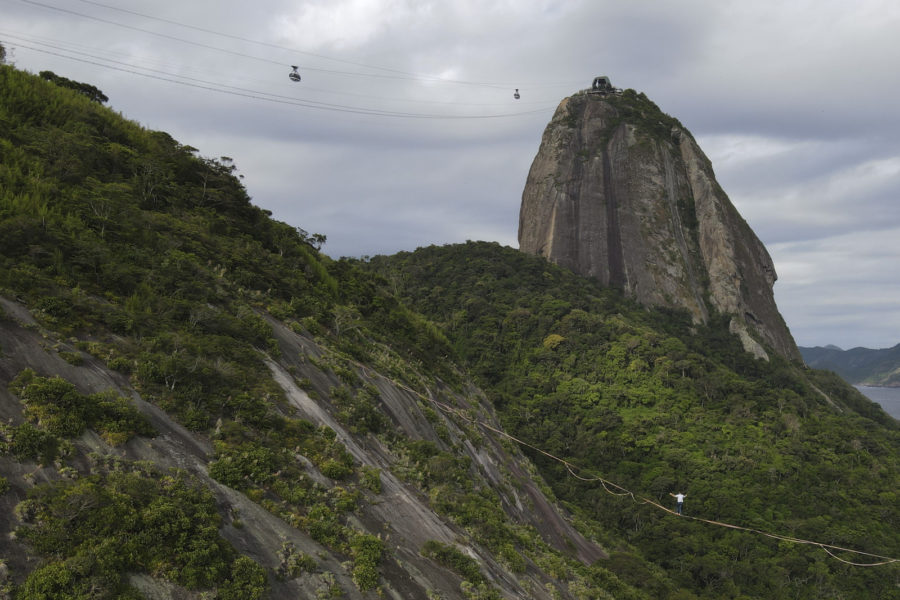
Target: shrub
367	551
247	581
371	479
97	527
454	559
241	465
335	470
27	441
61	410
120	364
73	358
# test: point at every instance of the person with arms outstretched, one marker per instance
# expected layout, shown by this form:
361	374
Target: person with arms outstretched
679	501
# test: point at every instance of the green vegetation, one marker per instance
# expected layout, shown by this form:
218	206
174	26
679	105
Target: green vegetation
130	248
636	108
366	551
656	404
57	412
631	107
132	519
268	472
58	408
475	585
86	89
110	229
152	259
454	559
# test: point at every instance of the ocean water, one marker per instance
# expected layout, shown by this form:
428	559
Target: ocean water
887	397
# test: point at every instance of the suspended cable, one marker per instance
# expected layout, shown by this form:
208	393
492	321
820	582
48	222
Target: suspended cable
621	491
257	95
147	31
56	44
208	46
250	56
321	56
399	75
251	41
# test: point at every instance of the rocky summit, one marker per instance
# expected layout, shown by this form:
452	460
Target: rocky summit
620	191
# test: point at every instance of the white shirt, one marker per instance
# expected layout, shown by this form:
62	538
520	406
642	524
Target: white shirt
679	497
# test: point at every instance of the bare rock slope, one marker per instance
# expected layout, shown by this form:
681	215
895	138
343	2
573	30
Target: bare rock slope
622	192
400	513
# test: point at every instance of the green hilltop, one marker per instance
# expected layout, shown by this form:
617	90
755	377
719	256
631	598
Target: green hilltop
196	400
656	404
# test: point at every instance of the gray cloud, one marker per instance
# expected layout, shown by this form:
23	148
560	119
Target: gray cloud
793	103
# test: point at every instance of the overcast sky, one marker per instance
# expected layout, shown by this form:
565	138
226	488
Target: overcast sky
404	131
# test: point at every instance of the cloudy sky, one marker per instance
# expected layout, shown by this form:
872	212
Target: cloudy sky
404	131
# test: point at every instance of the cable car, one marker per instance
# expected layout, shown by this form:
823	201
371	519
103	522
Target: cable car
294	75
516	95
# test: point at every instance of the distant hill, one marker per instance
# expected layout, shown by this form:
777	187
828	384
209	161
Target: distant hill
862	366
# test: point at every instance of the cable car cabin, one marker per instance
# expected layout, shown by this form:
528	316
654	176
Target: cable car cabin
294	75
602	85
517	95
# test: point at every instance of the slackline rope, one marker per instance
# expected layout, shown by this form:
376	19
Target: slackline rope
617	490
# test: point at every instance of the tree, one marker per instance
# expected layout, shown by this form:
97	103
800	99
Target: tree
82	88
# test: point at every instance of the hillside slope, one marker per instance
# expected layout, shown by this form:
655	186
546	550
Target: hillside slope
197	403
657	405
317	502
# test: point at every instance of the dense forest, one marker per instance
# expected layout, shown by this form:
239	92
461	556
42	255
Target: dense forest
134	254
658	405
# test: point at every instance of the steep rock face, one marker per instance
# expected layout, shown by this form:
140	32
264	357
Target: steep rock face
622	192
399	514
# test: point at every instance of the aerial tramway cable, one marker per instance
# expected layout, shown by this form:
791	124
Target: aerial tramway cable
71	48
394	73
286	48
431	78
280	99
293	74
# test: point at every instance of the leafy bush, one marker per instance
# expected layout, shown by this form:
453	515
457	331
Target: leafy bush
248	464
359	411
367	551
27	441
454	559
247	581
58	407
73	358
98	527
371	479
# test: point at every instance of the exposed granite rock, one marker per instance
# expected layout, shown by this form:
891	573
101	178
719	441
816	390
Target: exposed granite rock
622	192
400	514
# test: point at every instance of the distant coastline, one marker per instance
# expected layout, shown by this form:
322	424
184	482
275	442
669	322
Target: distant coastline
859	366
